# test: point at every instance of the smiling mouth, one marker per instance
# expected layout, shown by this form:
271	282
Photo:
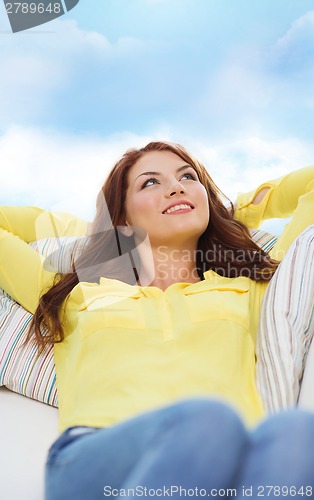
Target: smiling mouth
178	208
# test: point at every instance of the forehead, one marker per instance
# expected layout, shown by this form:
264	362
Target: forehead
156	161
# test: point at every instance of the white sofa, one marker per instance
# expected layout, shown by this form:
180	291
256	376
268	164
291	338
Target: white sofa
28	428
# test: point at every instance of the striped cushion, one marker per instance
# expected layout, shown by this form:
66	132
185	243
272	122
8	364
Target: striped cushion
263	239
21	369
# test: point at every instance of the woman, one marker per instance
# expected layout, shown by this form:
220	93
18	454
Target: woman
154	337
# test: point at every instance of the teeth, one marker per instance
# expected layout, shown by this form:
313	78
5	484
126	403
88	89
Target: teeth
176	207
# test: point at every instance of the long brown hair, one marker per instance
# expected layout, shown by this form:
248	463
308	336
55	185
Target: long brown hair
226	246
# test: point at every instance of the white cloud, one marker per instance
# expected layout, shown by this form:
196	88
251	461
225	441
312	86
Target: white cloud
56	171
65	172
241	164
80	80
237	92
300	31
262	90
38	69
293	52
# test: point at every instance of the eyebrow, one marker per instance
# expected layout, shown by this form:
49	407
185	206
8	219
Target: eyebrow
184	167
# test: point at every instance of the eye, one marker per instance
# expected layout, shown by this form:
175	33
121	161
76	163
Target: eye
191	176
151	179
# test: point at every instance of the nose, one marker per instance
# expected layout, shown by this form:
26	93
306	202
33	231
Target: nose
175	187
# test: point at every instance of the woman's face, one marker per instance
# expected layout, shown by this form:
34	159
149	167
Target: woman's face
166	199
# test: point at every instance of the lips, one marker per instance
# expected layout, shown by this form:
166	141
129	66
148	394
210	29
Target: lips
178	205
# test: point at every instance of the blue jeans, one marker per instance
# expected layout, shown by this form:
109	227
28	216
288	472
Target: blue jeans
196	447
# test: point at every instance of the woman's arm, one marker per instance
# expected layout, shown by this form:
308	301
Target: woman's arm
283	197
22	271
25	274
275	198
33	223
302	217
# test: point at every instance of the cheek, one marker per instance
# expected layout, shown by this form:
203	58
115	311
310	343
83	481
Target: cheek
138	210
204	205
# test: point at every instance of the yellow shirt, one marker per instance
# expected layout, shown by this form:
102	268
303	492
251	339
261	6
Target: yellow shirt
128	348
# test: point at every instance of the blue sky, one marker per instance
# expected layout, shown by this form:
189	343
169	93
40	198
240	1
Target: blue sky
229	79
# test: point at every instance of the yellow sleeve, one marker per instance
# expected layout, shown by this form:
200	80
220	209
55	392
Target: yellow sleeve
303	217
280	201
22	272
33	223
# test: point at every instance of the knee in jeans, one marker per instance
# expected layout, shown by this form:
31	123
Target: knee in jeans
290	426
206	412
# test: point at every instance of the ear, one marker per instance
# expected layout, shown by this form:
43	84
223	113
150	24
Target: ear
126	230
